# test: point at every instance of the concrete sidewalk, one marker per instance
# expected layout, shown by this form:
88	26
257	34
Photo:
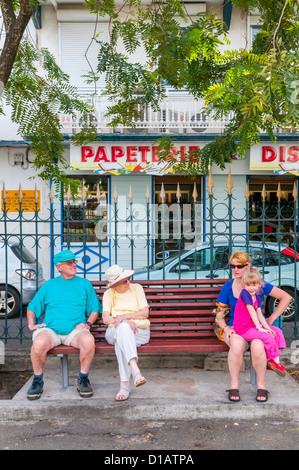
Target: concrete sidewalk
184	392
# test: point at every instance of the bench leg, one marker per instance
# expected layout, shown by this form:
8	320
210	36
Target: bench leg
253	378
64	369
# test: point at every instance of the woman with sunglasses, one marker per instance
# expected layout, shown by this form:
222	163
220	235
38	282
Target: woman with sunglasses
125	311
226	303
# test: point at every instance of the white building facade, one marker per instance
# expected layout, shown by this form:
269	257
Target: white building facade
121	173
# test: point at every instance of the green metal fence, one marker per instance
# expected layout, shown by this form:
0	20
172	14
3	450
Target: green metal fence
175	240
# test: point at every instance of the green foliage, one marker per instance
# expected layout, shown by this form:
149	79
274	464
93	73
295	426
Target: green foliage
36	101
129	85
258	89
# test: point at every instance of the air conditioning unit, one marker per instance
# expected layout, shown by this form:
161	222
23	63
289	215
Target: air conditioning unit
199	117
136	130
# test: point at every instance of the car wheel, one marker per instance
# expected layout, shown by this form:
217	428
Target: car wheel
13	302
289	313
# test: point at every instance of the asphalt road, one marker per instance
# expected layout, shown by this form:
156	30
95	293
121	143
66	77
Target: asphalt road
155	439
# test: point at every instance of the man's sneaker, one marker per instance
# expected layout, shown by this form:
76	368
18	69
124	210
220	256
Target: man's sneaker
84	387
36	389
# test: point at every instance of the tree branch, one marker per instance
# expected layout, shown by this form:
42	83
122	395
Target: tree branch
278	25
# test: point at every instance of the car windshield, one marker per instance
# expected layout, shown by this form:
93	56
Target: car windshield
23	254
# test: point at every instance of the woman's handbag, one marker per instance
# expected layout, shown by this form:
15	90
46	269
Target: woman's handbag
221	311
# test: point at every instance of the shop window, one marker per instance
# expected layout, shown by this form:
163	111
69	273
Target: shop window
181	226
269	217
87	223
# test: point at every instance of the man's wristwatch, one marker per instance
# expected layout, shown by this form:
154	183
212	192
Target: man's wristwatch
88	323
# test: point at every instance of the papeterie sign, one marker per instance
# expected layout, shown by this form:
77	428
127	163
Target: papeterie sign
122	158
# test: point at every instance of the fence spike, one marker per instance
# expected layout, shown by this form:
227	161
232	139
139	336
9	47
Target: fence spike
229	183
278	192
210	184
51	194
20	193
68	195
4	193
147	194
98	195
130	195
194	194
178	193
264	194
295	192
35	194
83	194
247	193
162	193
115	195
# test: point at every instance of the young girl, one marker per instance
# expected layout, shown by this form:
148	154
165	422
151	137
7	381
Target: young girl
250	323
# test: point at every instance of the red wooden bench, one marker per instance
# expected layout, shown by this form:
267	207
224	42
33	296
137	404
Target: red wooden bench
180	315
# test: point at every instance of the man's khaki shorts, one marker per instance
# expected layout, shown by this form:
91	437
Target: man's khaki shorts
59	339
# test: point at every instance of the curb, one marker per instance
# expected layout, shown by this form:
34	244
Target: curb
155	410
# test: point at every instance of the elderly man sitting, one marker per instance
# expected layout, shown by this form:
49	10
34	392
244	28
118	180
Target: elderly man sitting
70	306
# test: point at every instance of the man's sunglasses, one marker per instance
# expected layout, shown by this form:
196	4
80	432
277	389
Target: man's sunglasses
238	266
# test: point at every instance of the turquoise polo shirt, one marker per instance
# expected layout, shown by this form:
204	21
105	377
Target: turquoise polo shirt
65	303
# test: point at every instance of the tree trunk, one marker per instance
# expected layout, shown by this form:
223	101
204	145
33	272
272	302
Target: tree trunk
14	30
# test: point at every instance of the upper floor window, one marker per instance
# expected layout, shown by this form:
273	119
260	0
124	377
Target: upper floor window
78	52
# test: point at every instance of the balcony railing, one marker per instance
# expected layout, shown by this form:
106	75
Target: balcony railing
179	112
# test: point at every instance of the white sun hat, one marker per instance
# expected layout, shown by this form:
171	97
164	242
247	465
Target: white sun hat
116	274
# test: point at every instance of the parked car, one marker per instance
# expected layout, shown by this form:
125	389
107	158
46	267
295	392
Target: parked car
276	264
22	273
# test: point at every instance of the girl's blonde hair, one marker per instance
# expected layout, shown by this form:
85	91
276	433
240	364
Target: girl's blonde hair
240	256
251	276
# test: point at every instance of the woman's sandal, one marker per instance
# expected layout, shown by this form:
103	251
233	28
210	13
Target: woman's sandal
262	393
123	394
139	382
234	392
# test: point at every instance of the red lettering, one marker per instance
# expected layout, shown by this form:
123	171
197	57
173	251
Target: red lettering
117	152
174	153
183	153
294	154
155	154
102	155
282	154
193	157
144	151
268	154
131	153
86	152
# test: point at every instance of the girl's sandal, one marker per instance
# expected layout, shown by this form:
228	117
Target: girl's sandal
262	393
234	392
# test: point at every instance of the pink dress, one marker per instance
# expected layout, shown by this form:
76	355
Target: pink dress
244	326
